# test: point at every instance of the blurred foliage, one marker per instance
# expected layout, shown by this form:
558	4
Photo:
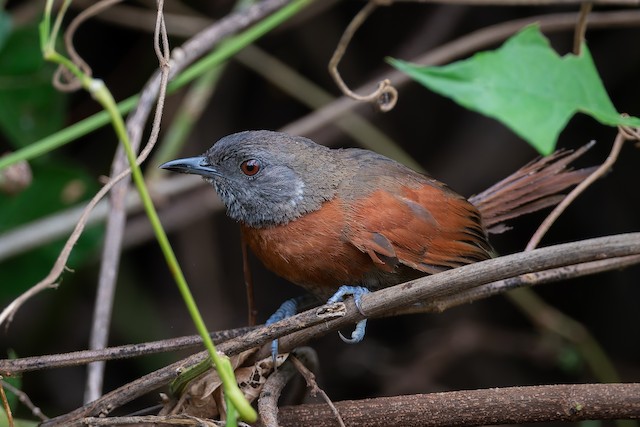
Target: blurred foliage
56	185
5	27
30	109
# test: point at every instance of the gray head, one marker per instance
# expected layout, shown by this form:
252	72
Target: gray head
266	178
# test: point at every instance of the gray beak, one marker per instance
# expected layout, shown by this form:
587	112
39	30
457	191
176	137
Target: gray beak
192	165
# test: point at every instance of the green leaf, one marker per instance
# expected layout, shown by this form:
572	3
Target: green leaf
525	85
30	107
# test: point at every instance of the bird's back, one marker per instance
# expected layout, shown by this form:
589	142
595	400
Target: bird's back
385	225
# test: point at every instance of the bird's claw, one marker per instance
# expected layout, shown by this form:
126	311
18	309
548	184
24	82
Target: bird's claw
357	291
290	308
358	333
287	309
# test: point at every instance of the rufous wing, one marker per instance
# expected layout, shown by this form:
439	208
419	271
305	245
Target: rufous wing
428	228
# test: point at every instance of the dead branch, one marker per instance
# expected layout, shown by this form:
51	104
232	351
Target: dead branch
117	219
270	394
313	323
25	400
300	361
511	405
78	358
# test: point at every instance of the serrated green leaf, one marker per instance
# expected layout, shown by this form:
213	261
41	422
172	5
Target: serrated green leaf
525	85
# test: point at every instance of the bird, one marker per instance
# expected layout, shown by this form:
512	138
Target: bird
349	220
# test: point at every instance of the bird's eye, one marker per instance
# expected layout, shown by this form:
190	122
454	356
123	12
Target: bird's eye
250	167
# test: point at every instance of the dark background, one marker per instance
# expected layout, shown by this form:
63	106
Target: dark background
486	344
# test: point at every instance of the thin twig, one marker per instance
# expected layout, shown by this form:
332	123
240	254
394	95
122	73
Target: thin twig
303	360
63	80
573	194
5	404
49	281
155	89
109	264
195	47
83	357
310	379
581	27
25	400
385	96
196	98
170	420
58	225
549	317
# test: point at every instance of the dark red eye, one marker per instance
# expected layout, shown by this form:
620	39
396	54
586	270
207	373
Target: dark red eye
250	167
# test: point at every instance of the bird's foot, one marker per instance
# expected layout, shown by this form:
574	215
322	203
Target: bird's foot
357	291
287	309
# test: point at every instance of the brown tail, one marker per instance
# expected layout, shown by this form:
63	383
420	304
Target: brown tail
535	186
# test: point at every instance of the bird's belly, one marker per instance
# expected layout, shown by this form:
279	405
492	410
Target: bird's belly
311	252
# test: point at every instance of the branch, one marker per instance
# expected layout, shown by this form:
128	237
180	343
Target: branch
461	279
509	405
105	292
314	323
439	305
83	357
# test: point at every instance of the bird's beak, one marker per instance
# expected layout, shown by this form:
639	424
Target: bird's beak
193	165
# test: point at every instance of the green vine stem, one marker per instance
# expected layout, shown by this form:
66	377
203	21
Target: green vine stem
101	94
226	49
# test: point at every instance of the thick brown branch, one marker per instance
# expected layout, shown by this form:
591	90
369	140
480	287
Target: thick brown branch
377	304
512	405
